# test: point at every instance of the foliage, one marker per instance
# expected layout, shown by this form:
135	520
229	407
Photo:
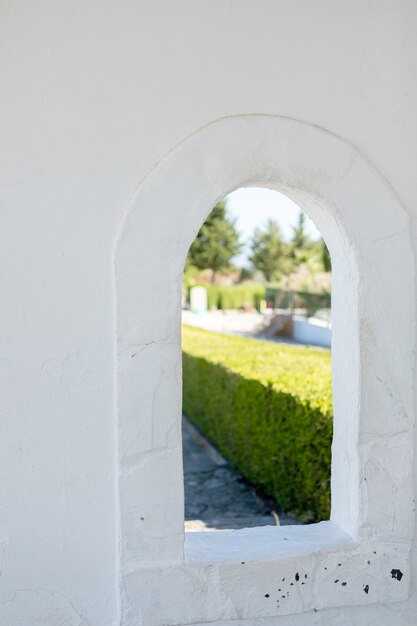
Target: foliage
268	408
302	264
234	296
239	296
269	251
217	242
300	239
325	257
305	250
190	275
245	274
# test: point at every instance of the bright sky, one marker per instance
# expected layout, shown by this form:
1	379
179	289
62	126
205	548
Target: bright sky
253	206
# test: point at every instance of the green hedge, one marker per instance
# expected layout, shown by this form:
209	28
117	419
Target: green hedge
234	296
268	408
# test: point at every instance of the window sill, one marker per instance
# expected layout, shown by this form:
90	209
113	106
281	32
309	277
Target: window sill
265	572
263	543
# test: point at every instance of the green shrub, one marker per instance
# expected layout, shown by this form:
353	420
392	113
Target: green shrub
268	408
234	296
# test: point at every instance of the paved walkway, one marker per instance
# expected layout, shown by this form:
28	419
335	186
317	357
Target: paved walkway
217	496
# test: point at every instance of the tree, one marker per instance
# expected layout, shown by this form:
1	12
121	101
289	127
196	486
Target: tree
217	242
300	239
325	257
269	251
301	245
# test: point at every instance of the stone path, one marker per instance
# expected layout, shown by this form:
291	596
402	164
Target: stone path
216	495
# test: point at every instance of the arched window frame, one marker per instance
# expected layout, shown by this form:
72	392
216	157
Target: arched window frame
368	234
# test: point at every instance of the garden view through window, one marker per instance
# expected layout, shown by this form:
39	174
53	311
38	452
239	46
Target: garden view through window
257	390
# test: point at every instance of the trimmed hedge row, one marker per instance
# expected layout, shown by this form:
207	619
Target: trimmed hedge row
234	296
237	296
268	408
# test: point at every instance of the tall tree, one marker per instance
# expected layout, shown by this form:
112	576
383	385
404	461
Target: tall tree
217	242
325	257
301	244
269	251
300	239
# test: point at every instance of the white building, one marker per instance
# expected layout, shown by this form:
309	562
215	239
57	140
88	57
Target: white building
122	123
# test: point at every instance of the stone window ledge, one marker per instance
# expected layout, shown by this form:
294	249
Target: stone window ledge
263	543
268	571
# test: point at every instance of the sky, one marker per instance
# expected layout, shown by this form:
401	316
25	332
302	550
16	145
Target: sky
253	206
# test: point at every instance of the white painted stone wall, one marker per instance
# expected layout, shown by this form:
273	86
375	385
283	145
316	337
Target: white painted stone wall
311	332
121	124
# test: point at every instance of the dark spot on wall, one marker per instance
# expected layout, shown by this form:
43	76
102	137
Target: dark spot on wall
303	583
283	597
369	562
396	573
337	580
325	568
142	518
297	577
339	564
283	579
292	584
374	551
305	575
267	595
344	584
243	562
366	589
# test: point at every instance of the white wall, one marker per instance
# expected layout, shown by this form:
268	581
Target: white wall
93	95
310	332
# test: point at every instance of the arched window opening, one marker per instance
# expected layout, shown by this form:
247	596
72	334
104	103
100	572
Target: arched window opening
371	525
257	388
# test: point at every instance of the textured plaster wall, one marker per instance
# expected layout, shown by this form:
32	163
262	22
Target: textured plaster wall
93	95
